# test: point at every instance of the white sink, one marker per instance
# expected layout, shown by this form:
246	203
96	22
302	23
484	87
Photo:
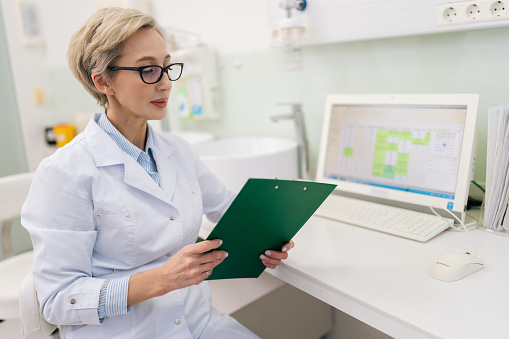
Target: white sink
235	160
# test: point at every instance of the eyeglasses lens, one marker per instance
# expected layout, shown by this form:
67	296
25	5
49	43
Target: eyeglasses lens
174	72
151	74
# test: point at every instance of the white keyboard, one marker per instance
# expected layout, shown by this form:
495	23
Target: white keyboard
393	220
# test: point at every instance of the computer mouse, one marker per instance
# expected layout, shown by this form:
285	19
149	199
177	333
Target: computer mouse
455	266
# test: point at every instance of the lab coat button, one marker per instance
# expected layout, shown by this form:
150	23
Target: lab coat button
128	216
72	301
172	217
177	322
168	254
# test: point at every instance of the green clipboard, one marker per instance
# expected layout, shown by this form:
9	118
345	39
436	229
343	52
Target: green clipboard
265	215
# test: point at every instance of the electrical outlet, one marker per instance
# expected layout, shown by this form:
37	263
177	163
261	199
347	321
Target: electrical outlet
449	14
469	12
473	11
496	10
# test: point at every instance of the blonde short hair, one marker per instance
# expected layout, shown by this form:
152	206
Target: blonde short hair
99	44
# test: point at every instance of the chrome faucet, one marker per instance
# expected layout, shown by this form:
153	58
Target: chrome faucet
302	141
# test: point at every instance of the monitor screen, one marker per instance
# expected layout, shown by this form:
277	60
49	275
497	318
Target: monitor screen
417	149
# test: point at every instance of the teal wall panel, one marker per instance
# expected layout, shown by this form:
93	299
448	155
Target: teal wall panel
251	84
12	152
463	62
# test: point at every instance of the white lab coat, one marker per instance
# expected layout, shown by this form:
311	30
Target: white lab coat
93	213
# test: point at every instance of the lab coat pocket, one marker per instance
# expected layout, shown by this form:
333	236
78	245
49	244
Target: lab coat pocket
116	235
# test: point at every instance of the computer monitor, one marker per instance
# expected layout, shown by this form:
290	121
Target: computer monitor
406	150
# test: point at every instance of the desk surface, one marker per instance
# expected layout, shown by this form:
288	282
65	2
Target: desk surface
383	280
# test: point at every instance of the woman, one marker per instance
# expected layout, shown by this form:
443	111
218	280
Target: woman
114	214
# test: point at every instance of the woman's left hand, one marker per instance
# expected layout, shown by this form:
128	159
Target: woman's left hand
273	258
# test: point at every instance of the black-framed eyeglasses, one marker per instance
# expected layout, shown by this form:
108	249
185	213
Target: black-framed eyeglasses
153	73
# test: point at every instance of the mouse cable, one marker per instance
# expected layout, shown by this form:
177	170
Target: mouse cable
454	227
470	226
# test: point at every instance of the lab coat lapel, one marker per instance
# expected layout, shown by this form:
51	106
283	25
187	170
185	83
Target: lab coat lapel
167	171
103	148
106	152
136	176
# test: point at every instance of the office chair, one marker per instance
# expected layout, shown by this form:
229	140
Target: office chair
34	326
14	268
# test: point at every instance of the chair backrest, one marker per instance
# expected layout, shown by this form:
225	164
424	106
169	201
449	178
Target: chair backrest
13	192
34	326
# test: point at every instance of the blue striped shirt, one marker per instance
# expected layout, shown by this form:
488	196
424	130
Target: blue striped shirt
113	295
145	159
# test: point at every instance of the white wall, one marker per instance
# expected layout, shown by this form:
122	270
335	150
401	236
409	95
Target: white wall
230	26
227	25
30	65
29	72
60	19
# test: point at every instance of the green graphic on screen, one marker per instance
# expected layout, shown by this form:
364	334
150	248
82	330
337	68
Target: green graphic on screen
348	152
384	145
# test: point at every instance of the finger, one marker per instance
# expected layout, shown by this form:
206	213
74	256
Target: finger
288	246
215	257
275	254
204	246
209	266
269	260
269	265
203	271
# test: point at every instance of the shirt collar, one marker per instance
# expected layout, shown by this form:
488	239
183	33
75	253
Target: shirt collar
122	141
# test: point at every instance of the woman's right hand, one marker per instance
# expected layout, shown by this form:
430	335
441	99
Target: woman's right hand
191	265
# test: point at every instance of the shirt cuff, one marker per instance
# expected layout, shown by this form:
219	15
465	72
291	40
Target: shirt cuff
113	297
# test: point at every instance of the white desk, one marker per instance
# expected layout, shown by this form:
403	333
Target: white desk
383	280
261	303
